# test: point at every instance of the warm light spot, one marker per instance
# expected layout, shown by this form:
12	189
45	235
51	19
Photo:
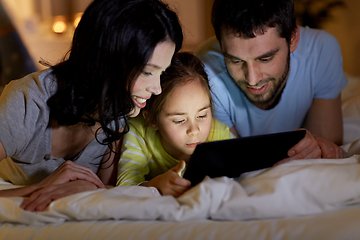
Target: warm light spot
77	19
59	25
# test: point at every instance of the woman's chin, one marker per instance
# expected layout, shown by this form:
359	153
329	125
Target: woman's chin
134	113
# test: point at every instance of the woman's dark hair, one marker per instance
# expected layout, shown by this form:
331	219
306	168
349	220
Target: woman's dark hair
248	18
111	45
185	67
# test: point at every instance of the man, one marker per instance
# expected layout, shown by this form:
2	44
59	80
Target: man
269	75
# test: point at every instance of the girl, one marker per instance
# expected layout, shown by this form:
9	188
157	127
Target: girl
174	123
71	116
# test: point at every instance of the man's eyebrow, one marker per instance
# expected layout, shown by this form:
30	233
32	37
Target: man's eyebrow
269	53
227	55
265	55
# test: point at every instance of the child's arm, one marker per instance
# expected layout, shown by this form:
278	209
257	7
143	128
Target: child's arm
170	183
133	163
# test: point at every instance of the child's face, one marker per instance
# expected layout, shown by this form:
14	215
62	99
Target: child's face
185	120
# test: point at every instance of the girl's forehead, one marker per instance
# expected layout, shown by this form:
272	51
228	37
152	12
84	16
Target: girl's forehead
189	97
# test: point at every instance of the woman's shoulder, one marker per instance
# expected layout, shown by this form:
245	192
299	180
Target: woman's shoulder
40	84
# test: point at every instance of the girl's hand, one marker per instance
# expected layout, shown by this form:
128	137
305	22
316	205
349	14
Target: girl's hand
70	171
170	183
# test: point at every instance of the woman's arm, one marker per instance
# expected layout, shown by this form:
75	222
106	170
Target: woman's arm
109	165
81	177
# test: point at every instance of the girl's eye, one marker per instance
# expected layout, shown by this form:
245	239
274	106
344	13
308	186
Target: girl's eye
179	122
202	116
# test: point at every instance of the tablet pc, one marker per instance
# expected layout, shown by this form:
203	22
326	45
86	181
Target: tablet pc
233	157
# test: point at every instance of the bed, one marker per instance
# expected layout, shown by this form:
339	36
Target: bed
314	199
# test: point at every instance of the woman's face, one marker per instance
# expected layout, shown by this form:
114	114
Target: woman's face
148	82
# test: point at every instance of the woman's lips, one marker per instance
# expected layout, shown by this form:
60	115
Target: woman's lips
139	101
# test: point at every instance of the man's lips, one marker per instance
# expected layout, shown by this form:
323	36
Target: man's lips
257	90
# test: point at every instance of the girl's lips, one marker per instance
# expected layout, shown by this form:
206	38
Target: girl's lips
258	90
193	145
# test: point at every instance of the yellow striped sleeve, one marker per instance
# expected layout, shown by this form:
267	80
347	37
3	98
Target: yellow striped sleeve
133	163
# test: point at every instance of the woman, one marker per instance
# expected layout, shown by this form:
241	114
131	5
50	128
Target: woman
60	126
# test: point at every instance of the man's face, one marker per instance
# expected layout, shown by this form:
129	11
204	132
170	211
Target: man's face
258	65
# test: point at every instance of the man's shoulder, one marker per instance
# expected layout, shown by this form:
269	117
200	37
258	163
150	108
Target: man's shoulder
314	40
211	55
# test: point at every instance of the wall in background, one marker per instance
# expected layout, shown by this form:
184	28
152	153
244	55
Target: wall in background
344	25
195	18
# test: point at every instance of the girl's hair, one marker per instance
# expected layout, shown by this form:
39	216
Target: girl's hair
111	45
185	67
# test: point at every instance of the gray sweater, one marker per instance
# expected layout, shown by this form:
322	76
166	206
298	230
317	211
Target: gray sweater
25	132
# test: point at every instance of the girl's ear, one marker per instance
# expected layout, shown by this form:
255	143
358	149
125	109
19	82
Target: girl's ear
153	124
144	113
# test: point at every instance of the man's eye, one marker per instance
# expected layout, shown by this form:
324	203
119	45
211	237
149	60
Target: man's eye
265	59
235	61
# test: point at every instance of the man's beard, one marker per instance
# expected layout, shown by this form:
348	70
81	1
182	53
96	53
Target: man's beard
273	95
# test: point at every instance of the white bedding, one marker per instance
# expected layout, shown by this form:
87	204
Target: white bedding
314	199
298	188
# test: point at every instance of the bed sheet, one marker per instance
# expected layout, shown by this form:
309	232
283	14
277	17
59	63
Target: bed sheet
342	224
316	199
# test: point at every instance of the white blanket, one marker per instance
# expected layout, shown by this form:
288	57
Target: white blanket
293	189
296	188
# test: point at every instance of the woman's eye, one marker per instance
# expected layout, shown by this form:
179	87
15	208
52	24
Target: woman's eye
147	73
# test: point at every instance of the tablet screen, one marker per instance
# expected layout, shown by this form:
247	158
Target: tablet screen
233	157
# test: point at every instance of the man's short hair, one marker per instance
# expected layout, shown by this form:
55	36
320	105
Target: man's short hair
248	18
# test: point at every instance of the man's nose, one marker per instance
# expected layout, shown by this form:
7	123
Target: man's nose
252	73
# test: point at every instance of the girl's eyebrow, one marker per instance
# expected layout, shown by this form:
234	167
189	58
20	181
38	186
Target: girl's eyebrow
181	114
